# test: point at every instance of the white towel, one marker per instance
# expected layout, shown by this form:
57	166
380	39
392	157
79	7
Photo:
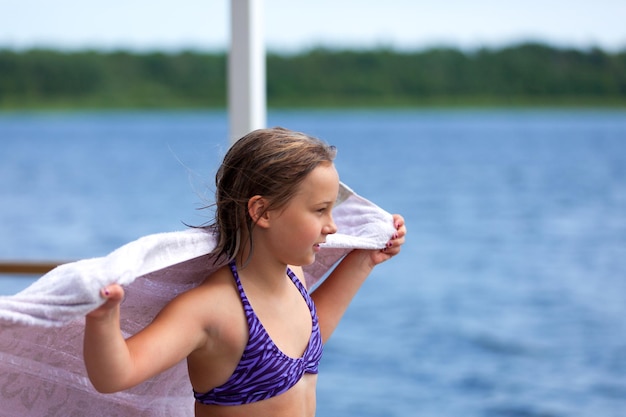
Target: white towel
41	328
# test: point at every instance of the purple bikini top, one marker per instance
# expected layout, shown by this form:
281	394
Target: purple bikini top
264	371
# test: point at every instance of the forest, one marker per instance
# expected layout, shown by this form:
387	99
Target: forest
528	74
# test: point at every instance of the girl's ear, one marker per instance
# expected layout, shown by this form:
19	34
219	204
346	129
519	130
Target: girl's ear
257	209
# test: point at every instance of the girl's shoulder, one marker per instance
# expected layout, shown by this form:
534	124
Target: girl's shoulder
212	303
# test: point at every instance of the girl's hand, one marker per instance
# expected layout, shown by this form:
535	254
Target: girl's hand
114	294
333	296
394	245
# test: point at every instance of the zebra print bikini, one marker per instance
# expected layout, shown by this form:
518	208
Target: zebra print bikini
264	371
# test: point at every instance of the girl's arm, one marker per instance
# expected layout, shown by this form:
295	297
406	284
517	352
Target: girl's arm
334	295
114	364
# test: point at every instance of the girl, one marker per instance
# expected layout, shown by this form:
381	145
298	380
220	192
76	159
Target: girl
251	333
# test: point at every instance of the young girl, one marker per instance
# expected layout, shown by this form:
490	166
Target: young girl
251	333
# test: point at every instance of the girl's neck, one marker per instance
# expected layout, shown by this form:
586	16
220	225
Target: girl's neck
263	272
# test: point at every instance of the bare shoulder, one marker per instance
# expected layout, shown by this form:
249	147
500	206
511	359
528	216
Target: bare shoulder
210	304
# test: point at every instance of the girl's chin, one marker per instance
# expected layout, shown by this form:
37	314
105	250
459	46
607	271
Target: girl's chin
309	260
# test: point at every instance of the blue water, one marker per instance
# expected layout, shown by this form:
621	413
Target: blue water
509	299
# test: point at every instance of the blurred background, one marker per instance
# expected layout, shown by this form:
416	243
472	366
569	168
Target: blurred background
498	129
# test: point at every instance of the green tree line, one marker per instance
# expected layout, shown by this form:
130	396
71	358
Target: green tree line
525	74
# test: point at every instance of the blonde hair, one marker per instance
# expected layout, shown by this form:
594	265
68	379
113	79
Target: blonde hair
267	162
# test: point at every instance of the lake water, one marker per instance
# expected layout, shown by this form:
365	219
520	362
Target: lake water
509	298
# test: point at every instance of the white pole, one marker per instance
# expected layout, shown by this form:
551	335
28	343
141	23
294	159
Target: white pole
246	68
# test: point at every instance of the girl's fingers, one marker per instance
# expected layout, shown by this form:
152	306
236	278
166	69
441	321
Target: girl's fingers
113	292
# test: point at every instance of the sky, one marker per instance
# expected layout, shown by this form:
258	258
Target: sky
292	25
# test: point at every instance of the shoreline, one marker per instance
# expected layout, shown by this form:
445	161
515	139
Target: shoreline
425	106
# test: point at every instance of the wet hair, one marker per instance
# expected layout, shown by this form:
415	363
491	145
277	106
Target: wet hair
271	163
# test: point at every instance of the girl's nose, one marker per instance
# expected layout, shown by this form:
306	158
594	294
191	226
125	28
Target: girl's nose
330	228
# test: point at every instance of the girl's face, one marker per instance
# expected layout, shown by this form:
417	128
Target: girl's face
298	228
